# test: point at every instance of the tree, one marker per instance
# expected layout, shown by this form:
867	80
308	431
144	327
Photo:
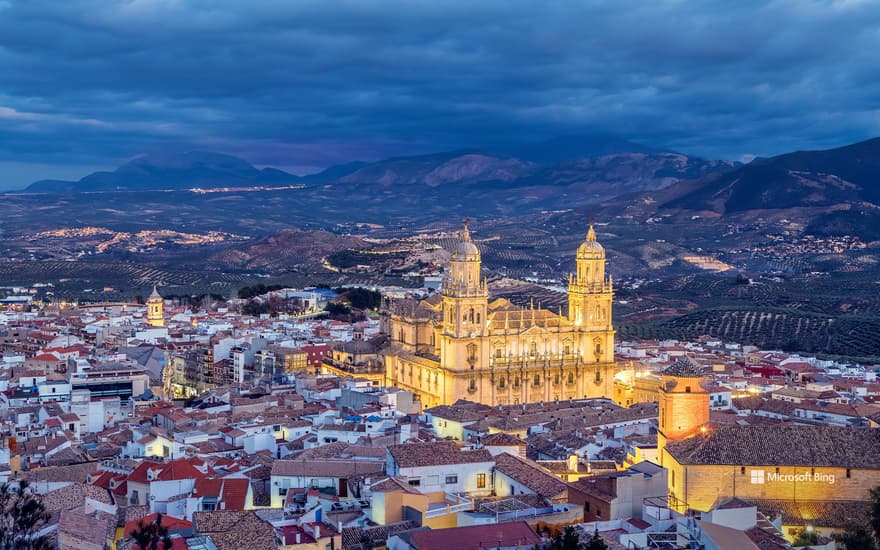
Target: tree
152	536
802	537
855	537
22	515
596	542
570	539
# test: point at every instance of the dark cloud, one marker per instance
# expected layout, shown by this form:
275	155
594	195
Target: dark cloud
309	83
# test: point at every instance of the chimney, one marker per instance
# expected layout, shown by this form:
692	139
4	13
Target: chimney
317	531
572	463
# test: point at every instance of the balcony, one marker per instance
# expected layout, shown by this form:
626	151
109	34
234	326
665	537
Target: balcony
453	504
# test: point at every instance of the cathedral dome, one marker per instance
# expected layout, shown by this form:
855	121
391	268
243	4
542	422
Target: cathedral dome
590	249
466	250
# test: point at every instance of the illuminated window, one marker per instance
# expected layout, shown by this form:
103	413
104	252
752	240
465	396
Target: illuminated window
481	481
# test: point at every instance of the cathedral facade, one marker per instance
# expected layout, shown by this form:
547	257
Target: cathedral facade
458	344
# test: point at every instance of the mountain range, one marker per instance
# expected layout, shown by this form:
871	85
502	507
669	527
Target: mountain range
557	173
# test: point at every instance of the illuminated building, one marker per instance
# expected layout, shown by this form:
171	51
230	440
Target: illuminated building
155	309
460	345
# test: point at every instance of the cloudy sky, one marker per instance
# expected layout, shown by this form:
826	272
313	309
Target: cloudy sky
86	84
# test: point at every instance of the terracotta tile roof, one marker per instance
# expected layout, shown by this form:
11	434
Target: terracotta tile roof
172	523
819	513
326	468
76	528
476	537
378	535
683	368
232	491
782	445
502	439
393	484
176	469
531	475
234	530
441	453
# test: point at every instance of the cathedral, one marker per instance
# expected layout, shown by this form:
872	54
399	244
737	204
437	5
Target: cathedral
457	344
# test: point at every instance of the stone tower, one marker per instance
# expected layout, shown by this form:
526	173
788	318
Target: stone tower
589	301
684	403
155	309
465	304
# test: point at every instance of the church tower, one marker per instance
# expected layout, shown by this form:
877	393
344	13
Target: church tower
465	292
464	349
589	302
684	403
155	309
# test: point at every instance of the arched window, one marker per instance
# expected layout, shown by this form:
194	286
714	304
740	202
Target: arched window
556	379
598	375
478	317
516	381
472	385
537	381
501	382
472	352
471	317
570	377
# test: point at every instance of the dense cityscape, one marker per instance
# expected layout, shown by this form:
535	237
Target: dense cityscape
439	275
406	418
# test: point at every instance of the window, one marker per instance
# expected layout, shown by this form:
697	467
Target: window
673	478
742	470
497	353
472	352
567	350
533	349
433	480
481	481
472	385
451	479
537	381
848	473
501	382
777	471
571	377
415	481
687	389
598	375
516	381
556	379
586	507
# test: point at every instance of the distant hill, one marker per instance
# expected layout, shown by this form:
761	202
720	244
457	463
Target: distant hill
172	171
845	175
482	181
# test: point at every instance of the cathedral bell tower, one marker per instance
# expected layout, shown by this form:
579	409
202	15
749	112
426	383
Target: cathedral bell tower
589	301
155	309
465	305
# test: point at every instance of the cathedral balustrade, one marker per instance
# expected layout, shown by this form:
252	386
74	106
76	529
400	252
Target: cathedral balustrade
592	288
